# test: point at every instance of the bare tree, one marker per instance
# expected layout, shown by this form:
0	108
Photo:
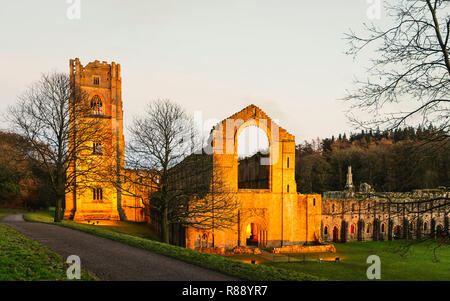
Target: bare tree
58	123
203	199
411	69
160	159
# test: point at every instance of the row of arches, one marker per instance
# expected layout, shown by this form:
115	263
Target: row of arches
379	230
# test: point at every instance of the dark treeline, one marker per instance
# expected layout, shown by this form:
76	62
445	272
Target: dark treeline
400	160
23	183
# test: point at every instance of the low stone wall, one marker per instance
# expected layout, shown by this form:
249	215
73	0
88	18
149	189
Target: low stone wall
216	250
234	251
305	249
245	250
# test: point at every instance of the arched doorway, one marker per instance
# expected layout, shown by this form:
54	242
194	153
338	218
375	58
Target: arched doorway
439	231
369	228
254	232
251	235
335	234
397	232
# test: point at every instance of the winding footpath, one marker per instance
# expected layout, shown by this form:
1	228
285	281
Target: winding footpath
110	260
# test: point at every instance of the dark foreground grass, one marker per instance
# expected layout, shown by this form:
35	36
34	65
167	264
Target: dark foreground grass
24	259
417	264
217	263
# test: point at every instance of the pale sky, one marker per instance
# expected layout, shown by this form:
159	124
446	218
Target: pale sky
212	56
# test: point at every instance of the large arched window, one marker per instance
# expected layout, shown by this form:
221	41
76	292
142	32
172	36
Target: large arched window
369	228
252	146
97	105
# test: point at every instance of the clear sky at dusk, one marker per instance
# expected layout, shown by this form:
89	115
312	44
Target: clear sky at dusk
287	57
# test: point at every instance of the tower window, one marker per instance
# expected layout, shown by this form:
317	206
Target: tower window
97	194
288	188
96	80
288	162
97	148
96	105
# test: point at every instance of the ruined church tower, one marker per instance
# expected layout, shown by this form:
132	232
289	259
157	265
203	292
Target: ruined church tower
101	84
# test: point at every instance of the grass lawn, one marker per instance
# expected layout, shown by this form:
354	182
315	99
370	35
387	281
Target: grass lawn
221	264
135	229
24	259
416	264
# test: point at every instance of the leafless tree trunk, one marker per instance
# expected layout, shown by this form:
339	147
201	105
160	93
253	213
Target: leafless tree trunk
58	122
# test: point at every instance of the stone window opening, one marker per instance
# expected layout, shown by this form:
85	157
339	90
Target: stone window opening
97	105
96	80
314	202
252	148
325	230
287	162
97	148
288	188
97	194
383	228
204	241
332	208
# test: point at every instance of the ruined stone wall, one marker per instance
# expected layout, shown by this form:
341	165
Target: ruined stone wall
278	214
399	216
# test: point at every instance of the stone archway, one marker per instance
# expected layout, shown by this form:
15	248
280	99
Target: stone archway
397	232
253	149
225	147
254	232
440	230
335	234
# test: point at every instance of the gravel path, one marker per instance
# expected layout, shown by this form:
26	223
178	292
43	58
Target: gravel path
110	260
